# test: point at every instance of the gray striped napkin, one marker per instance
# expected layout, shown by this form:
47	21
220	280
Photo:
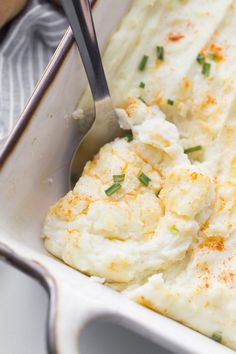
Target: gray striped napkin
25	51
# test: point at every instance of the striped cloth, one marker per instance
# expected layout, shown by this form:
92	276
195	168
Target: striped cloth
25	50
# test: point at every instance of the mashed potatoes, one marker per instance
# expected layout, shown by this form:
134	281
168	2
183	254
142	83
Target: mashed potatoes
154	214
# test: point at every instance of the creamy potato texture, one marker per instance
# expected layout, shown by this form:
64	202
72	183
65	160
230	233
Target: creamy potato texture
155	214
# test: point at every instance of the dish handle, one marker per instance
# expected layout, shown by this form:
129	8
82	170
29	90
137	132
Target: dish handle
72	312
69	310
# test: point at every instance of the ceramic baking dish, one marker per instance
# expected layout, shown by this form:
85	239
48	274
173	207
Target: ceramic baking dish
33	175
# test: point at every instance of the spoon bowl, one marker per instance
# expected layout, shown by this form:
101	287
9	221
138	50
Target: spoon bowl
104	129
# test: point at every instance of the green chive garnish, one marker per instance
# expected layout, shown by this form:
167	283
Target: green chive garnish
160	53
129	136
113	189
157	194
212	56
142	84
217	336
174	229
118	178
206	68
141	99
143	63
170	102
193	149
144	179
200	59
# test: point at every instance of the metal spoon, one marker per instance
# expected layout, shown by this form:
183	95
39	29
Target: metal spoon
102	125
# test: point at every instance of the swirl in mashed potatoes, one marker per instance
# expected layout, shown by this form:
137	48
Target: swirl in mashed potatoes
154	214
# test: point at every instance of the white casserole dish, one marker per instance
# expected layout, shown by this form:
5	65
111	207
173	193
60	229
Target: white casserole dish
33	174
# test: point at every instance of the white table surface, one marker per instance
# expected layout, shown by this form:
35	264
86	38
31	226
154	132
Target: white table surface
23	307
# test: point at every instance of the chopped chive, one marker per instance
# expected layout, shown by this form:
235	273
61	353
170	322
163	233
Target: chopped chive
193	149
206	68
129	136
170	102
144	178
141	99
200	59
212	56
158	193
160	53
217	336
174	229
118	178
143	63
113	189
142	84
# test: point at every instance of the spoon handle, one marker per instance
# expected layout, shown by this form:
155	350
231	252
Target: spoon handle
80	18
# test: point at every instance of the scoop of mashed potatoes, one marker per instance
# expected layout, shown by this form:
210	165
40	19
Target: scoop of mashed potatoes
142	228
